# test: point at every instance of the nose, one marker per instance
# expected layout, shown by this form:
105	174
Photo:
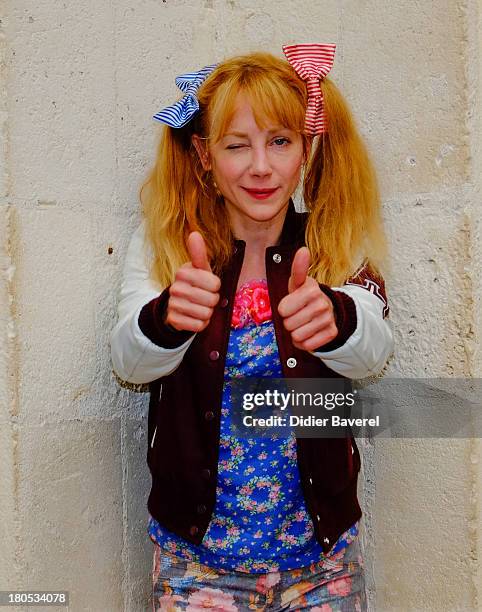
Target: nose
260	163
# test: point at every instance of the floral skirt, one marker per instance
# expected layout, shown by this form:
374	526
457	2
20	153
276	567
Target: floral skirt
336	584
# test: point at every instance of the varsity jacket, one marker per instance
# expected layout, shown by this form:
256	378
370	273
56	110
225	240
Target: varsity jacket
185	373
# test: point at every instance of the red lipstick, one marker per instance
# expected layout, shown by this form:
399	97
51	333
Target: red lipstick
260	194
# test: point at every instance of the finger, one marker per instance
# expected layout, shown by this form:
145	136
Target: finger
198	278
190	309
182	322
309	294
197	251
300	310
289	305
318	340
315	326
194	294
299	269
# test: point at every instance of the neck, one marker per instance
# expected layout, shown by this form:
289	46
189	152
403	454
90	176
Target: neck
258	235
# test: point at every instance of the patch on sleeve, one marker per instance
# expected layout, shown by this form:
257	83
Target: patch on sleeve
367	278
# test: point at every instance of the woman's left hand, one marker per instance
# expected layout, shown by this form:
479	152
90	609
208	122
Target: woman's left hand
308	313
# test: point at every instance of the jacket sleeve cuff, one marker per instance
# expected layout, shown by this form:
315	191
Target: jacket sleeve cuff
345	318
151	323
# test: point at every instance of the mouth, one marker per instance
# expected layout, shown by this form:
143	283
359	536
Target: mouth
260	194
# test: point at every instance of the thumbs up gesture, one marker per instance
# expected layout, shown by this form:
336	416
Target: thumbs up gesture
307	312
194	291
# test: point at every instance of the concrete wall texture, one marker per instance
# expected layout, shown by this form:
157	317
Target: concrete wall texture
79	84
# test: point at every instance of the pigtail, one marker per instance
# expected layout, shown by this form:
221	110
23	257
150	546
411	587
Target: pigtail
176	199
163	206
341	193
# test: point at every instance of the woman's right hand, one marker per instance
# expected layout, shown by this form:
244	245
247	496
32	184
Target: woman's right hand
195	290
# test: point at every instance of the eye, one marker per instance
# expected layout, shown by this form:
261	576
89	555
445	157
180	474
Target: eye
235	146
281	138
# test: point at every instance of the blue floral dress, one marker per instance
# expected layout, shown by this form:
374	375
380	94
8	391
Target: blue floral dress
260	522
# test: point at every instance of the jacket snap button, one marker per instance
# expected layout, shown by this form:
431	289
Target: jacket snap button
276	257
193	530
291	362
209	415
201	508
352	450
213	355
326	540
311	480
224	302
206	473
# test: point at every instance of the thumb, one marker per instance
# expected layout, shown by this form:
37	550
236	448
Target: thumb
299	269
197	251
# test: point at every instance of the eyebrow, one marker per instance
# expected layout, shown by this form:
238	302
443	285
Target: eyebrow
241	135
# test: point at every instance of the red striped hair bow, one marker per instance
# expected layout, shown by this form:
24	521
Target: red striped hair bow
312	62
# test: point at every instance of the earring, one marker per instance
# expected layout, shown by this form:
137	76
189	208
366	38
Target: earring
214	184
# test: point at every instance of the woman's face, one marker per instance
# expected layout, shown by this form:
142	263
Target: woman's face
256	170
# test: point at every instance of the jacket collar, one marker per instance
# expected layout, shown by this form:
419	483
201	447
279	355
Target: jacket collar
292	233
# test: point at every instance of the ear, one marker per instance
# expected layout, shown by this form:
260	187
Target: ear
202	151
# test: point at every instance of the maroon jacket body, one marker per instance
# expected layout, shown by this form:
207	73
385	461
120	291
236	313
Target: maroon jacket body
185	407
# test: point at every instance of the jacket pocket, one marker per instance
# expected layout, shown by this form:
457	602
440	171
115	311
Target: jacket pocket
333	463
152	425
153	437
356	456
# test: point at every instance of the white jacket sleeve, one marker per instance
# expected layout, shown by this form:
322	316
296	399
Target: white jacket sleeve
368	348
135	358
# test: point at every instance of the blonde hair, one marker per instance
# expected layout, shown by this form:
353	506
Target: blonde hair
340	191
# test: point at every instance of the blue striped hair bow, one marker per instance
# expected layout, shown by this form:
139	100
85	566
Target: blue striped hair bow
181	112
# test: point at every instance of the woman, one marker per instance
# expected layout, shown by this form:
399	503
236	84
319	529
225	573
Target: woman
223	280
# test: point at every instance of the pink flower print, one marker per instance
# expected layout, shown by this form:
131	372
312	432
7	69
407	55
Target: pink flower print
267	581
212	599
261	484
289	539
251	304
260	309
243	298
336	557
167	603
239	318
171	547
340	587
323	608
235	319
